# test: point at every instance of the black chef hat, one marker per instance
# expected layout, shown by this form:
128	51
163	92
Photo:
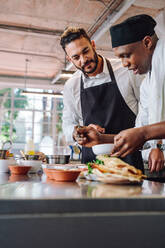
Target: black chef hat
132	30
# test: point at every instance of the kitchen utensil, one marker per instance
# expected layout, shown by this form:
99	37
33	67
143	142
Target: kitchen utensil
5	148
57	159
23	154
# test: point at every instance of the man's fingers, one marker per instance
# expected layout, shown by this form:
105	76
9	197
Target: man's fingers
118	142
158	166
124	151
153	166
161	165
82	141
81	130
149	164
97	128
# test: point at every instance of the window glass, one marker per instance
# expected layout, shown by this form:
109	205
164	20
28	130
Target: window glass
42	116
23	117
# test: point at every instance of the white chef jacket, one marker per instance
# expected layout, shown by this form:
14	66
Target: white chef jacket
152	94
143	115
128	84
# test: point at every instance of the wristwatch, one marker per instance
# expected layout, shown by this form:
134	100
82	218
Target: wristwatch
161	147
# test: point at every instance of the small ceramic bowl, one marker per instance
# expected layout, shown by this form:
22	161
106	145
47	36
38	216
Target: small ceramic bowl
62	175
19	169
35	165
102	149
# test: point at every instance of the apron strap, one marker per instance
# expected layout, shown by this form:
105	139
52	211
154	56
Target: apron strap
110	70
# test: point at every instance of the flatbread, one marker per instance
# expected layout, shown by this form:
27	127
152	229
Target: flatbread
115	169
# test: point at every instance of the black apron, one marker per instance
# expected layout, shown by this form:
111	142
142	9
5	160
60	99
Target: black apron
104	105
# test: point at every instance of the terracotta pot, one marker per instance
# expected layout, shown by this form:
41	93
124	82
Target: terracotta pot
19	170
62	175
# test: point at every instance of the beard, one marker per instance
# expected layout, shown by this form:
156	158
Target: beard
88	62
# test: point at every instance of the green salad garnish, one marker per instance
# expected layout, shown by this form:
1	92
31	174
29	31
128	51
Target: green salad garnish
97	161
89	164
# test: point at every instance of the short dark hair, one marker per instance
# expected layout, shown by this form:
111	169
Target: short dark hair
71	34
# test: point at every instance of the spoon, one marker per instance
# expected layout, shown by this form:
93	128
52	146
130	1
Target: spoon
23	154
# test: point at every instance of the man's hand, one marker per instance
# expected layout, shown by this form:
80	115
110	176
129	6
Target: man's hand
87	136
128	141
97	127
156	160
76	136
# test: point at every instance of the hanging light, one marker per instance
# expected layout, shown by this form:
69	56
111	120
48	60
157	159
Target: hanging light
63	75
42	93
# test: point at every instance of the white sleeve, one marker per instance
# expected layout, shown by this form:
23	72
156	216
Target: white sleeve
70	114
142	117
136	81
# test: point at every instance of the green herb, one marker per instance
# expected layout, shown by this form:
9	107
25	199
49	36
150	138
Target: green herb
89	164
89	168
98	161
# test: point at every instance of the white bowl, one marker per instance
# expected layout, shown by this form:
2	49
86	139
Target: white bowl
4	165
35	164
102	149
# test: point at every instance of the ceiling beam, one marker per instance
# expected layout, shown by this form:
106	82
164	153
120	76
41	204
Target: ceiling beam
54	32
40	54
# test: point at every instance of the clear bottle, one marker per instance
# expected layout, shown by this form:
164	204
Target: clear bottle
29	147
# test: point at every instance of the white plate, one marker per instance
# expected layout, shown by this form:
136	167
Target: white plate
105	178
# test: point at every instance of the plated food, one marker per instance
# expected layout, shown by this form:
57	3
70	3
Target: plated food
113	170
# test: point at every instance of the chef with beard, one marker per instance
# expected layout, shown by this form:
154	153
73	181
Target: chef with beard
96	95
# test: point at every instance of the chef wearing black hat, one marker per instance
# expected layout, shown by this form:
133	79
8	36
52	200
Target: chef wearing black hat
132	30
135	42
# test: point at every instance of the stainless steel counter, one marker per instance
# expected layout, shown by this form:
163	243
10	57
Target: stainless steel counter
36	212
35	186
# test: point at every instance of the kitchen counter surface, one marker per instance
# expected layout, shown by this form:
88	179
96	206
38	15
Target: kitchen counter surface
37	194
36	212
